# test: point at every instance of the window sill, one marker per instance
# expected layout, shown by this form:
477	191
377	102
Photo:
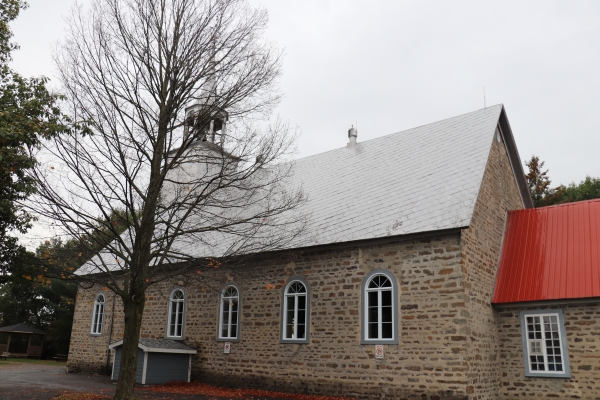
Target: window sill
231	340
548	375
386	341
95	334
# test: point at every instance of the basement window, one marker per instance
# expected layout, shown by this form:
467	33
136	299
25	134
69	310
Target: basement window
98	315
544	344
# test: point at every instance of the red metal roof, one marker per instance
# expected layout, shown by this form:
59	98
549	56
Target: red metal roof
550	253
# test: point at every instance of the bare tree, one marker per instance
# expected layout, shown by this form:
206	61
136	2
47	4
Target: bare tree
167	88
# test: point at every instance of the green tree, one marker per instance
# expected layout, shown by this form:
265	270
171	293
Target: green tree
37	288
28	295
539	184
587	189
28	114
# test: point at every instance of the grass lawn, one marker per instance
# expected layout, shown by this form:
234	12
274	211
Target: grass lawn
15	361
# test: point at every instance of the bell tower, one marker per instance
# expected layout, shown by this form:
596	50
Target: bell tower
206	120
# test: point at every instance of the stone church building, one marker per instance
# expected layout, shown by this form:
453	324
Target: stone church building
425	279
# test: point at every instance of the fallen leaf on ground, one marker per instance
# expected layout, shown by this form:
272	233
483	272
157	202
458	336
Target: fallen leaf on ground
180	387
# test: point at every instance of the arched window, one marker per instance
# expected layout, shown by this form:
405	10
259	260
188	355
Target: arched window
296	311
380	308
229	315
98	314
176	310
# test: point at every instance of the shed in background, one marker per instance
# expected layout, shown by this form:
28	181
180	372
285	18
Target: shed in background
159	361
21	340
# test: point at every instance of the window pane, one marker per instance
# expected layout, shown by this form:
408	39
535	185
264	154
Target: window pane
233	330
180	314
290	334
225	319
386	298
230	291
386	330
386	314
379	281
291	301
373	331
223	330
301	331
301	317
296	287
373	299
100	317
301	302
372	315
289	331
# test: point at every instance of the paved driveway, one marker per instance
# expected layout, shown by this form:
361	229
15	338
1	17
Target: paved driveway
35	381
43	382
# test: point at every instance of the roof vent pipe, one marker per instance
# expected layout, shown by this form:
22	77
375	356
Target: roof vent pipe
352	133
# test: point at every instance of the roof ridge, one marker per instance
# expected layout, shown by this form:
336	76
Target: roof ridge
397	132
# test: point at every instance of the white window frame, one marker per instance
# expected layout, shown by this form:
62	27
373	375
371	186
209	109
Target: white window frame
284	310
226	301
180	310
98	314
365	339
529	342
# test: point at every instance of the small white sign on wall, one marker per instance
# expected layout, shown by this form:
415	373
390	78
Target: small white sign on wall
227	348
378	351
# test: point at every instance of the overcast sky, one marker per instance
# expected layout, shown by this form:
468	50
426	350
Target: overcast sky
394	65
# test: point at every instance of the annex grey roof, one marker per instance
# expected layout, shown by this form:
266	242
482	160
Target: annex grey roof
160	346
418	180
22	328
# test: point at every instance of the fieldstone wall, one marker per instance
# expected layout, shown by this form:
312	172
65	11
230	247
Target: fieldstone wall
448	345
582	326
87	353
430	361
481	245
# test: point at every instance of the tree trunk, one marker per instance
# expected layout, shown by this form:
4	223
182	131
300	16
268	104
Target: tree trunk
134	309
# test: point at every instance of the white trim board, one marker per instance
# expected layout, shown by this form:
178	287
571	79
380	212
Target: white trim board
156	349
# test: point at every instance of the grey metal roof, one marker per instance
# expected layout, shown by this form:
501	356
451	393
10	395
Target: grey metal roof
160	346
22	328
422	179
419	180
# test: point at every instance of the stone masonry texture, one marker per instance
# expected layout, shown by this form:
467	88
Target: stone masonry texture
481	244
448	341
582	327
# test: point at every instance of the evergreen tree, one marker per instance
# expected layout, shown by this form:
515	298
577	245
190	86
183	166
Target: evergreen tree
539	184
